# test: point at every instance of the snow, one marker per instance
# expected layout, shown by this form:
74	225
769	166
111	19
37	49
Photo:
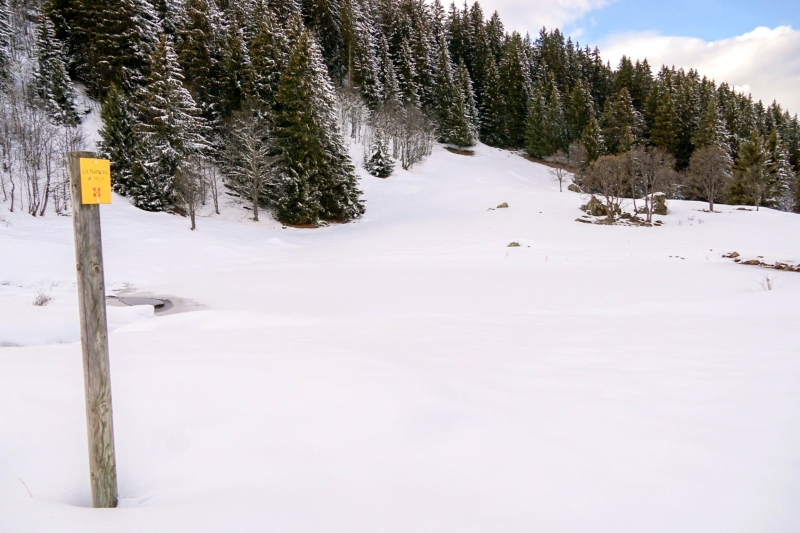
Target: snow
411	372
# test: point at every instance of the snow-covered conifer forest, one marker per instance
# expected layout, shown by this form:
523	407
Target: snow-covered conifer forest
173	79
382	265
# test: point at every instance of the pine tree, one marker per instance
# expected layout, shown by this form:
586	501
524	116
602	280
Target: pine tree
555	121
444	89
111	41
359	40
268	57
495	36
422	41
579	110
406	75
377	160
662	131
318	178
324	19
53	85
481	52
711	129
171	131
550	57
454	102
796	207
5	44
463	119
459	46
514	91
168	12
688	111
286	11
438	17
621	123
537	142
198	45
387	77
476	30
385	14
641	84
492	125
465	85
546	132
119	140
750	184
235	70
592	139
780	174
600	78
293	29
775	119
624	76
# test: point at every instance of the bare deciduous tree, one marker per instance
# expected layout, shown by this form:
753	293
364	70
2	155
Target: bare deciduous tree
353	111
407	130
606	177
578	158
211	179
416	137
710	172
33	150
7	150
652	171
249	158
189	186
559	173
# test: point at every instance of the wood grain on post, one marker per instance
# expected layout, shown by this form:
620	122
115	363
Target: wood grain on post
94	339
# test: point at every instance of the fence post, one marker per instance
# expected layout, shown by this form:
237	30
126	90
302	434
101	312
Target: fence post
94	339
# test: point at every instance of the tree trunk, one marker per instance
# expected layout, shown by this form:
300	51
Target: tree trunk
215	192
46	192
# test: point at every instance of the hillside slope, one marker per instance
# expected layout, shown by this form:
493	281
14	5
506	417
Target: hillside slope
411	372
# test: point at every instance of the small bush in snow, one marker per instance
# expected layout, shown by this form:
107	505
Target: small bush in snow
41	299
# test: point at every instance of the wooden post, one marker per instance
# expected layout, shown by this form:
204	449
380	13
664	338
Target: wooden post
94	339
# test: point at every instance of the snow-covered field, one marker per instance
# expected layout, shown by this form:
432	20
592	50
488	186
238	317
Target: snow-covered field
410	372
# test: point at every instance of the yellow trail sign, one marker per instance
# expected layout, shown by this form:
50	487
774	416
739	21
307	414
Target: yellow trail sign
95	181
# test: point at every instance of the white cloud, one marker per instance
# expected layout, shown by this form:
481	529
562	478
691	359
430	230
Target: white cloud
764	62
527	15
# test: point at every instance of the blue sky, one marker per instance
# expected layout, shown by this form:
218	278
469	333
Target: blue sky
709	20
